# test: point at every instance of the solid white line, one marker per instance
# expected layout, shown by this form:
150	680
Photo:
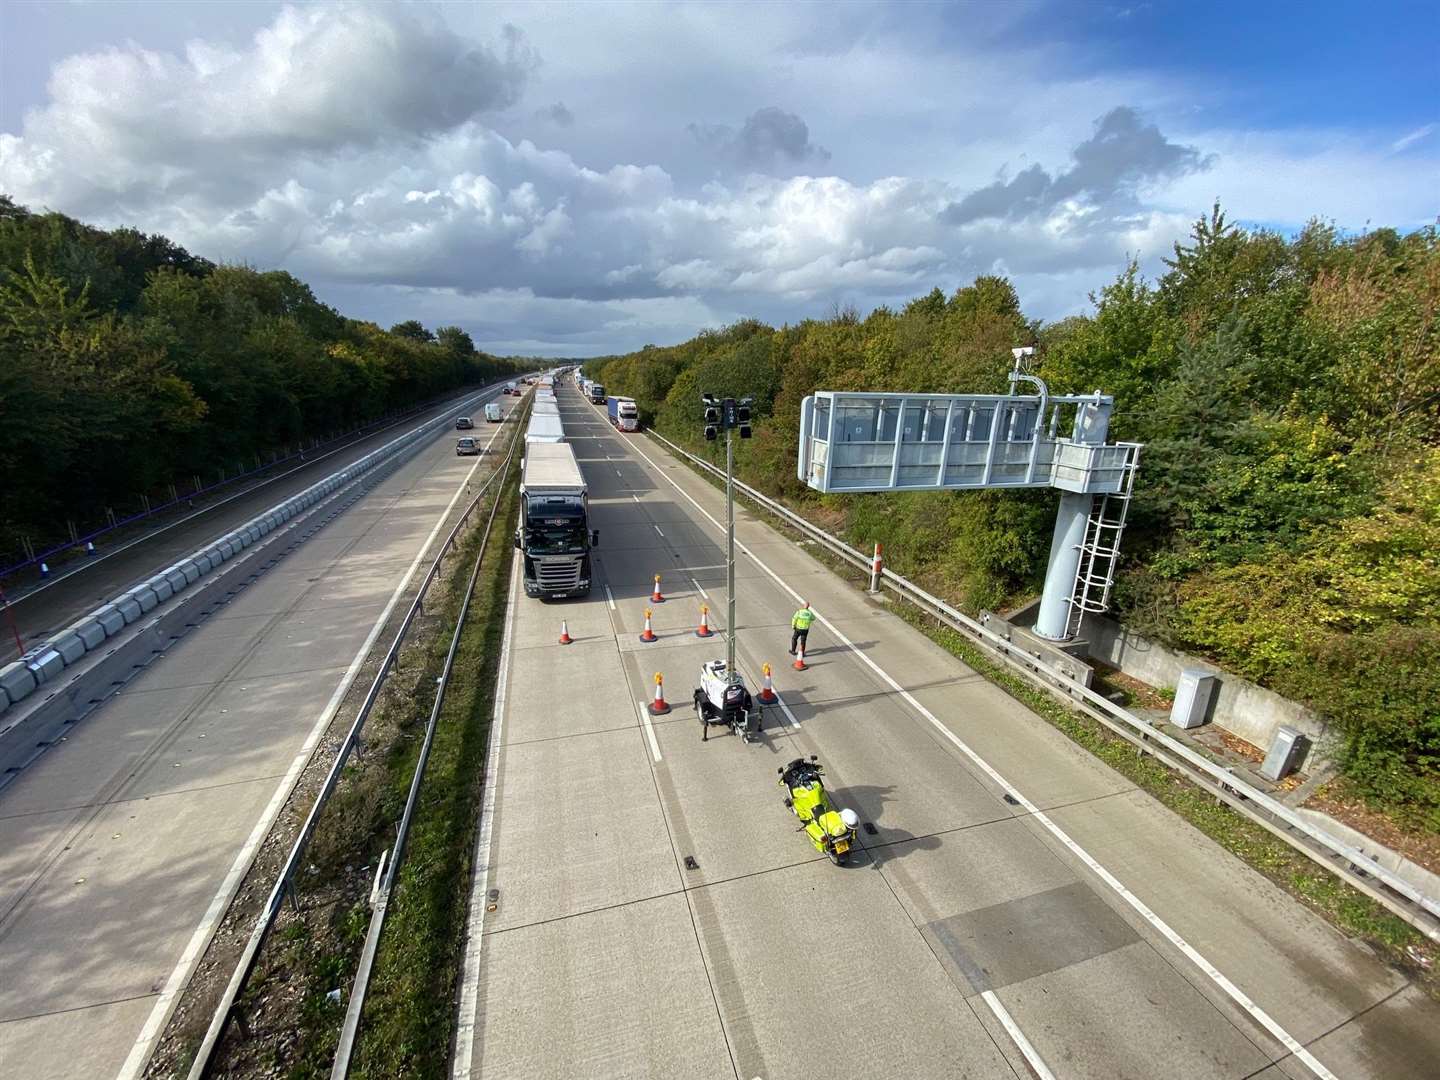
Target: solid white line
610	598
657	529
1232	991
479	878
1017	1036
220	903
649	729
635	497
700	588
786	710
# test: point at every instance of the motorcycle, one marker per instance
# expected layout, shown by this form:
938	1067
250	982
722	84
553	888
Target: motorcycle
831	831
724	701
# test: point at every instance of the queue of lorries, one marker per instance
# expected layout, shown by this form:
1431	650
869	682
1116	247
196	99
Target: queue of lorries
554	529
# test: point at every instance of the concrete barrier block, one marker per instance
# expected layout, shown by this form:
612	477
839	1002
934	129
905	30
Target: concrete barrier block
162	587
191	571
129	608
176	577
46	665
91	633
227	548
18	681
109	619
205	562
144	596
69	646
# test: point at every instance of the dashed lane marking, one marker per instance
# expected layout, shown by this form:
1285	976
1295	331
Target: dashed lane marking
1238	996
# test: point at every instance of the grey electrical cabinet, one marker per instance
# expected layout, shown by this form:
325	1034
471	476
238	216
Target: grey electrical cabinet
1192	698
1286	753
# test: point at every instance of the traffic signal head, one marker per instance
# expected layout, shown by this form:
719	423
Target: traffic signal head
712	415
710	433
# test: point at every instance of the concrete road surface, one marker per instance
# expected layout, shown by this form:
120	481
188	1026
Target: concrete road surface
119	849
1018	910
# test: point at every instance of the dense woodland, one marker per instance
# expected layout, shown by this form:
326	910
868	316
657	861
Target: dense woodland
1287	513
128	364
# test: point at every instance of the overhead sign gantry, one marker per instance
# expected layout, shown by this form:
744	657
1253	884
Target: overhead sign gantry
854	442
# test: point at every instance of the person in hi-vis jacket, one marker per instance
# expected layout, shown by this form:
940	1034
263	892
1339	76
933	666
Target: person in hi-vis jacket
800	626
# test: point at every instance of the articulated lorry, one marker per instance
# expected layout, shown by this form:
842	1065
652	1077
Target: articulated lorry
554	531
624	414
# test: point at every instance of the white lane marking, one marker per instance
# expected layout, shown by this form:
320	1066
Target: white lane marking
1017	1036
657	529
700	588
786	710
610	598
649	729
1238	996
480	877
635	497
220	903
617	472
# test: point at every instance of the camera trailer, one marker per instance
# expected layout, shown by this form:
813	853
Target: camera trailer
723	700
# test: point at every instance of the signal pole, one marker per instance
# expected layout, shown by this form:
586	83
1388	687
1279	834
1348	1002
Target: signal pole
729	414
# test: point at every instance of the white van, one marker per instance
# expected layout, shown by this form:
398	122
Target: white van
493	413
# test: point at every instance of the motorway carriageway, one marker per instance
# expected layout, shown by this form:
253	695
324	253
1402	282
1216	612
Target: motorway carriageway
1077	928
82	585
120	848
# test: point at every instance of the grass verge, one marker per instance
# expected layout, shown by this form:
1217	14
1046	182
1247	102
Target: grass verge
1344	907
409	1015
296	999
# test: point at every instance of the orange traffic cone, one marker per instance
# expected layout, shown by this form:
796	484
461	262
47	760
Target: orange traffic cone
799	664
647	634
565	638
655	597
767	692
659	707
703	630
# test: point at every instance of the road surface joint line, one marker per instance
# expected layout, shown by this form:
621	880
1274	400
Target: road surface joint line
1163	928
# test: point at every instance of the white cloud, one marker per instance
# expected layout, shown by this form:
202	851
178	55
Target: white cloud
391	159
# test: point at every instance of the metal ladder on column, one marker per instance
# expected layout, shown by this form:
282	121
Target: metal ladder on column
1100	550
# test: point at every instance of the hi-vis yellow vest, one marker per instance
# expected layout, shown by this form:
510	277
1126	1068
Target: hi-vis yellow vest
802	620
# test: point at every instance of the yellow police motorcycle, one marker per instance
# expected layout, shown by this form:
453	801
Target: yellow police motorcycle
831	831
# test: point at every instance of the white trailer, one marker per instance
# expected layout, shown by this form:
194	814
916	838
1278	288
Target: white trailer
554	531
544	429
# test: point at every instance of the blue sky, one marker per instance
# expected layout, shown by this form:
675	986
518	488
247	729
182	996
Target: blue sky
572	179
1270	65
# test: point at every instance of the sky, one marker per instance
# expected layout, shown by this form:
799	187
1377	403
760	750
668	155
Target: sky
582	179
